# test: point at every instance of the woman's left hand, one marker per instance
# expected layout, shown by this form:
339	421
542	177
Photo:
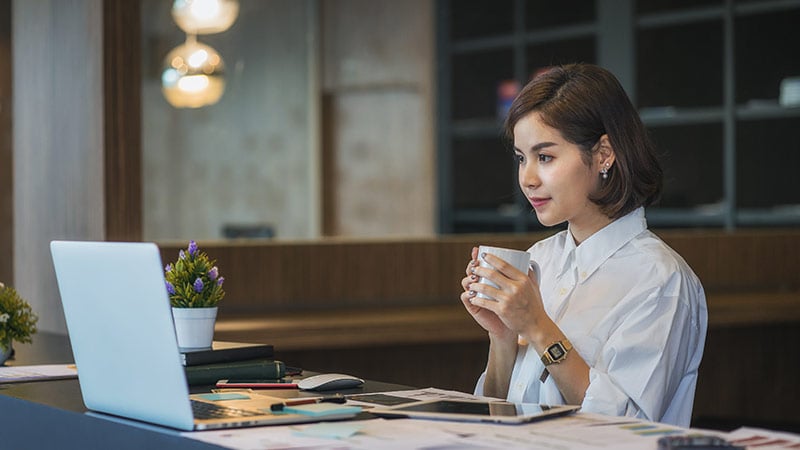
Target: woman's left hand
517	301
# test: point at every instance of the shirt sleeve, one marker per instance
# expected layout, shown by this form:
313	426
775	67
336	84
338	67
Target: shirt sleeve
639	369
479	384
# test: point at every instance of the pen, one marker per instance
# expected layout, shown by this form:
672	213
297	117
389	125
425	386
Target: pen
336	398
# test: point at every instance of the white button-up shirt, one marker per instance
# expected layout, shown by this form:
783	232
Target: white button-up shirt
635	312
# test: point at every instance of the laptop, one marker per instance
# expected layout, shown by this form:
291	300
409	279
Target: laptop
476	411
123	340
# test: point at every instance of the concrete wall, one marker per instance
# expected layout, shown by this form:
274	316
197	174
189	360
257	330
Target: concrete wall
58	140
249	159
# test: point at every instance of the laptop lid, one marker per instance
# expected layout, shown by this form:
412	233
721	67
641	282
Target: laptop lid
120	326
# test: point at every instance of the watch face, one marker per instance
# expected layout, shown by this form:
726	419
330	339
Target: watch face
556	351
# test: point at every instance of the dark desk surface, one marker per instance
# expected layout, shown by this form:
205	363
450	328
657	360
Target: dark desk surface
51	414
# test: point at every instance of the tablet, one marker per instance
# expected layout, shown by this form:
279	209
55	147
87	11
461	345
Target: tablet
476	411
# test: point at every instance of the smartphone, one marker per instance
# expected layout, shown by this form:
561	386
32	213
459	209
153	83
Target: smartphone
257	384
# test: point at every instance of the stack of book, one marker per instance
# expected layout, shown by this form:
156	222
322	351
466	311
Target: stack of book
231	360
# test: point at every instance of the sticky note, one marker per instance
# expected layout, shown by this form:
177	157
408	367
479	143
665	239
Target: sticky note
322	409
223	396
330	430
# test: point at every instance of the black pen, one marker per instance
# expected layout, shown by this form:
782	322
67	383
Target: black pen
336	398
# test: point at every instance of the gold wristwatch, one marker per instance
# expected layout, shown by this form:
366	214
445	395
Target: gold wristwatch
556	352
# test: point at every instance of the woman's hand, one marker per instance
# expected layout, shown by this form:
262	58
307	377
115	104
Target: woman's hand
516	302
485	318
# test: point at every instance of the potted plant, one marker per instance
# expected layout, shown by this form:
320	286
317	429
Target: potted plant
195	288
17	321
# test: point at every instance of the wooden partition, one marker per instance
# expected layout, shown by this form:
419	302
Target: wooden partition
389	310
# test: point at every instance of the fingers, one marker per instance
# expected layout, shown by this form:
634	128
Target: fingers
466	281
503	267
474	261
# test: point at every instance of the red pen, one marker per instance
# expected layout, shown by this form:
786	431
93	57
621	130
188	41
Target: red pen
336	398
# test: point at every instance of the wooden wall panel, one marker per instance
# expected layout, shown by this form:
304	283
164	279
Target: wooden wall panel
122	115
6	155
286	276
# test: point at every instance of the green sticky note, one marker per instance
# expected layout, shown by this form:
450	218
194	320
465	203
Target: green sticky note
224	396
322	409
330	430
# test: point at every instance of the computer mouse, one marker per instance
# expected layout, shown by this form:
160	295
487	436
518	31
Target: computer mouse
328	382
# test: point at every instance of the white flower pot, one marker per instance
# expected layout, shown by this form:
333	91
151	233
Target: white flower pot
194	327
5	351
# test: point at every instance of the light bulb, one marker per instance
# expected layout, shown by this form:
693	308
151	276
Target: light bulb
205	16
193	76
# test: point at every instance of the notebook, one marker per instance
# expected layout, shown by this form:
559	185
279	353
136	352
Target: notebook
123	340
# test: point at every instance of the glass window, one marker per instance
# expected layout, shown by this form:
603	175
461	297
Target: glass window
545	14
691	156
668	74
766	52
766	163
470	19
483	173
476	77
541	56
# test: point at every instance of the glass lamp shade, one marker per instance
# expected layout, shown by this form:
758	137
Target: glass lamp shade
205	16
193	76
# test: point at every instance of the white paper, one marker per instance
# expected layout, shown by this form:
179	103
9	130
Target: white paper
581	431
19	374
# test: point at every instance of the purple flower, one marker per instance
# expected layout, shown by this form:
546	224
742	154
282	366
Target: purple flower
170	288
220	280
198	285
213	273
168	268
181	254
192	248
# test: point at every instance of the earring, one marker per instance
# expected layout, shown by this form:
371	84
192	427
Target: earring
604	172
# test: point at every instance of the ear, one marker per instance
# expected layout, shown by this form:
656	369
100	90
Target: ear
604	156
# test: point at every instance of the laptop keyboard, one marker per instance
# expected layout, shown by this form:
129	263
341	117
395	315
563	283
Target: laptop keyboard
203	410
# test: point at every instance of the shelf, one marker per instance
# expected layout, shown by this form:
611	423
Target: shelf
705	75
672	217
487	216
670	115
779	215
767	111
742	9
476	128
656	20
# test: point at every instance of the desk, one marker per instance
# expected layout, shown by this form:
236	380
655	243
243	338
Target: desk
51	414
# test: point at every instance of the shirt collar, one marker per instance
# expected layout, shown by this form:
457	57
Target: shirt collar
601	245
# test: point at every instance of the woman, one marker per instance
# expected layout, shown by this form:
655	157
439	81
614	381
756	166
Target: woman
617	321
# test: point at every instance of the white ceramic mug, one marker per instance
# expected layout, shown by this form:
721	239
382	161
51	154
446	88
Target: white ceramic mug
517	258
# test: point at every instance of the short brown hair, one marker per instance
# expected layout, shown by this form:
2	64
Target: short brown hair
584	102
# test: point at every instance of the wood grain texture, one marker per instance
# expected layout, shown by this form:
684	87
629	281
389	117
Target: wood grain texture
334	274
122	119
6	155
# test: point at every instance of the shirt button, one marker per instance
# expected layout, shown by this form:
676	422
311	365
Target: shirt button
562	291
583	274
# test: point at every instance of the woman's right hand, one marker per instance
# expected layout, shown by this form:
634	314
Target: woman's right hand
488	320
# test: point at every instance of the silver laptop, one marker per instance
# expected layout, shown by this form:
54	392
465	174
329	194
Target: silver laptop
123	340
